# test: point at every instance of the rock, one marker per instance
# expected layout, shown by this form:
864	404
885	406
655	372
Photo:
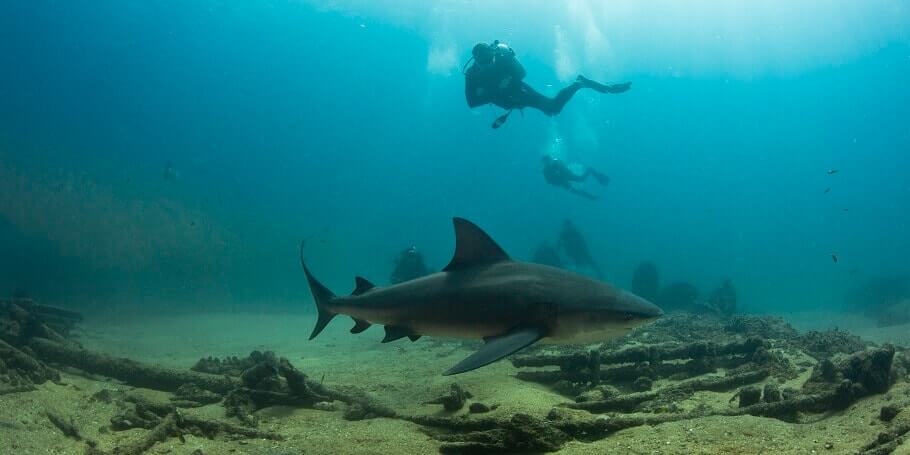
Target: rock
478	408
889	412
749	395
454	399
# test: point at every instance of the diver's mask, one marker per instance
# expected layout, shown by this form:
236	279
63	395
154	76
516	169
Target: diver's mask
485	54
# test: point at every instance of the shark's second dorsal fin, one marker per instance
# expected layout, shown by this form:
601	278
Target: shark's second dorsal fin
473	247
362	285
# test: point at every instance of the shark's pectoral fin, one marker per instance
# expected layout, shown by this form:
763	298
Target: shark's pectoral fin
359	325
497	348
393	333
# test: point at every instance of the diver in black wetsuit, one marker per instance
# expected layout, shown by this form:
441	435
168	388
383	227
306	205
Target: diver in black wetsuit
557	173
409	265
497	77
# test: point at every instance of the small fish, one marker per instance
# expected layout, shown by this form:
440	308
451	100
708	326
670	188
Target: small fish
834	257
827	190
832	171
846	210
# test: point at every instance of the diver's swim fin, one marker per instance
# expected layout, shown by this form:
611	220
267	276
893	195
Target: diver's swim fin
497	348
603	88
500	120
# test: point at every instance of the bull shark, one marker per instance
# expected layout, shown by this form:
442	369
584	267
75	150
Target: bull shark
482	293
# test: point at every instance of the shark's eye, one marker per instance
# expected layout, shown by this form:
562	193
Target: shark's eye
626	316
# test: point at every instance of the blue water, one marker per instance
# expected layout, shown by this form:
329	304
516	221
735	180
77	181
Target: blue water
345	123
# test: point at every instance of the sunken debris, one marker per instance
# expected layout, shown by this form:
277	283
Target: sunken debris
851	377
454	399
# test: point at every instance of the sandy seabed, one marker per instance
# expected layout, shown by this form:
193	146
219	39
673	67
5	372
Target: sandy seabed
403	375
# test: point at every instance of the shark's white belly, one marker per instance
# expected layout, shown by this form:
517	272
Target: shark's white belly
579	329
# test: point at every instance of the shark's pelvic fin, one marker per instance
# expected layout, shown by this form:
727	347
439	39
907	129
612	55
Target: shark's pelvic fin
473	247
497	348
393	333
359	325
362	285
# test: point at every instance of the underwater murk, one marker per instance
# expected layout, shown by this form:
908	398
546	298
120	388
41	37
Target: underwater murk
452	226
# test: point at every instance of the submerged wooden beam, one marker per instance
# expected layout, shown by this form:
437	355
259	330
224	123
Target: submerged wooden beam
129	371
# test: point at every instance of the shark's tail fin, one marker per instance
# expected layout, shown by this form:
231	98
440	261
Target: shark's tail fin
321	296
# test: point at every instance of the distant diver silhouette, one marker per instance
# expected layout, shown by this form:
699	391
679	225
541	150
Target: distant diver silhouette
557	173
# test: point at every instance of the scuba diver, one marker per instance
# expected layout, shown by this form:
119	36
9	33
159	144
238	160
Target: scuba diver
496	77
409	265
557	173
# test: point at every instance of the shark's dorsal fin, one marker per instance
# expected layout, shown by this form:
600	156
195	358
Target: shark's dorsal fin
473	247
362	285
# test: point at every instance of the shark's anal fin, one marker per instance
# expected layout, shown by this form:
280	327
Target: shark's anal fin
393	333
473	247
497	348
359	325
362	285
414	337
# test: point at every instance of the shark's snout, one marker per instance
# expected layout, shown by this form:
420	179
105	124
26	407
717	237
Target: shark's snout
640	307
